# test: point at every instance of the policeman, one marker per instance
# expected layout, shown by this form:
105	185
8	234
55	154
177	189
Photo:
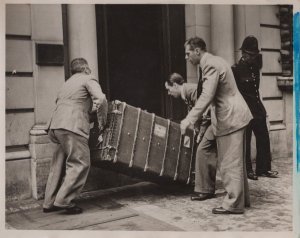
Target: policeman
247	76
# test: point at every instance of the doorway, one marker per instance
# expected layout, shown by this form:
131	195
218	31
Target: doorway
136	54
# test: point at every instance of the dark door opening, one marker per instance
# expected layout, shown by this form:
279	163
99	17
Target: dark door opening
134	54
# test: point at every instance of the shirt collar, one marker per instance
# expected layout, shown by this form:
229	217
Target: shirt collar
182	93
203	59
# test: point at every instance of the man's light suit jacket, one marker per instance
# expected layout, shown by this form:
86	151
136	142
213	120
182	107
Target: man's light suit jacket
74	103
229	111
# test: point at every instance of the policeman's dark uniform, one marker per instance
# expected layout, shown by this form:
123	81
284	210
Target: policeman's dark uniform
248	79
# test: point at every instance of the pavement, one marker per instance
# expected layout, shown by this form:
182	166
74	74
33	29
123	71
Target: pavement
147	206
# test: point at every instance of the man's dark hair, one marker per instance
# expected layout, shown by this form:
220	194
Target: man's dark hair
196	42
175	78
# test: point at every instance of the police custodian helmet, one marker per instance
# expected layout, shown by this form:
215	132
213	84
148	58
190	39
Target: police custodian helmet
250	45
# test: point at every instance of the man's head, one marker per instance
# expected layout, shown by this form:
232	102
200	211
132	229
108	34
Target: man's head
250	51
80	65
195	47
173	85
175	78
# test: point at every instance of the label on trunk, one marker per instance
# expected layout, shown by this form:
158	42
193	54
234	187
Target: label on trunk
160	131
187	142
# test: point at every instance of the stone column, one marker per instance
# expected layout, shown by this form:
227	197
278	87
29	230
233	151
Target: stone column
239	29
246	22
41	150
197	23
82	34
222	33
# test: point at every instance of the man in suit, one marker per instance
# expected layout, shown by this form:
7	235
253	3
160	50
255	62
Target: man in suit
247	76
229	117
206	156
69	128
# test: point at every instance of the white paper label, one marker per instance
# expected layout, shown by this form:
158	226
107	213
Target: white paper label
160	131
187	142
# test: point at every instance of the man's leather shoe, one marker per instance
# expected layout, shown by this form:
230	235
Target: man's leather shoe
52	209
252	176
221	210
202	196
73	210
269	174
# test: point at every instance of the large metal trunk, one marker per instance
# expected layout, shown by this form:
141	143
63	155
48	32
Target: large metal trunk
143	143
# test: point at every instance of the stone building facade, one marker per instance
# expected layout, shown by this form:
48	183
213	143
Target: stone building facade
131	49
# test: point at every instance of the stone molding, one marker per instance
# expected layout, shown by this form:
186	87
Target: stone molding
285	83
41	149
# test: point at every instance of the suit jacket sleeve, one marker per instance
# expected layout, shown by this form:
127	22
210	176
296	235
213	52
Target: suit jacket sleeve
95	91
210	84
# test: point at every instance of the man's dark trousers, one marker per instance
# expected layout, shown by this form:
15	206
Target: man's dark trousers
206	163
263	157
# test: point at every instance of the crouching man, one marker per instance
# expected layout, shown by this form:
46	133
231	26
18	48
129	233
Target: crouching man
206	156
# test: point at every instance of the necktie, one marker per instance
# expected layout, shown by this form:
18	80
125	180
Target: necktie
199	87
